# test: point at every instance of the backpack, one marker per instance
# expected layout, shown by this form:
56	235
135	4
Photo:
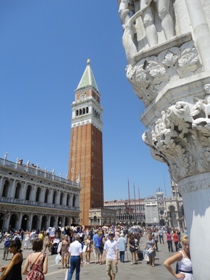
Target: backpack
101	242
6	243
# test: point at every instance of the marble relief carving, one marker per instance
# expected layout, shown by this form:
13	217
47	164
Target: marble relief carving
181	137
151	74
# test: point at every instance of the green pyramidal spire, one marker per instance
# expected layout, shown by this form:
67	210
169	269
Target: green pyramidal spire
88	78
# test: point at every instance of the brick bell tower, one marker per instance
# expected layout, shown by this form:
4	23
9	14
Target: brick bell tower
86	155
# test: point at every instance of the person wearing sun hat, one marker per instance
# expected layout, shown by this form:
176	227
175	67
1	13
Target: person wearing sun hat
111	252
122	247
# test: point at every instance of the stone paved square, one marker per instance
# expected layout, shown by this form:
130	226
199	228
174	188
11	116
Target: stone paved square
94	271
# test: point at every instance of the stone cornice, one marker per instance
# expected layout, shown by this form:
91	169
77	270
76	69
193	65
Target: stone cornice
151	74
174	92
97	123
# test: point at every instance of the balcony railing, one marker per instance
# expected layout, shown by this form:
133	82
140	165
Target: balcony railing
17	201
36	171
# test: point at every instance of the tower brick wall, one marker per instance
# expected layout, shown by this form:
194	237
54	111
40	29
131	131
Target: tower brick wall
86	162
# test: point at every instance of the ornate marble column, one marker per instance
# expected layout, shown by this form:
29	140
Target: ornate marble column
48	221
42	194
33	192
40	222
57	200
12	188
56	221
23	190
6	221
64	198
50	196
19	221
71	200
172	78
29	222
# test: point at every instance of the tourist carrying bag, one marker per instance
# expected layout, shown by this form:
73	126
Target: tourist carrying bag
84	248
58	258
150	250
146	256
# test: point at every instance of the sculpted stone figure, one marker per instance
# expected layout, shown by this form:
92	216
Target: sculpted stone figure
129	31
130	11
145	9
162	7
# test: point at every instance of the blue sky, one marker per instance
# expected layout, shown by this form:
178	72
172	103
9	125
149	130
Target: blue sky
44	47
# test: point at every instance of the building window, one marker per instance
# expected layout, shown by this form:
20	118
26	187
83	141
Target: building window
74	201
61	199
28	192
5	189
46	196
67	200
54	196
38	194
17	191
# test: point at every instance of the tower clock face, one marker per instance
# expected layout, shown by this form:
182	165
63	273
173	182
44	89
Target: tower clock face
160	200
82	96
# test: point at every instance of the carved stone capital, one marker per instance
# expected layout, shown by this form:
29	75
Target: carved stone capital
151	74
181	138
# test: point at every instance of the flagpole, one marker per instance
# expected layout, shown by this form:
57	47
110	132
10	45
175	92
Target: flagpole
129	200
139	206
135	199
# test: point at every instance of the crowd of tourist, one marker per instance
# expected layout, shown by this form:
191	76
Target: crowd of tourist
75	246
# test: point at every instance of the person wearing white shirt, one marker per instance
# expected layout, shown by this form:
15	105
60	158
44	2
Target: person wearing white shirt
32	237
111	251
76	258
122	247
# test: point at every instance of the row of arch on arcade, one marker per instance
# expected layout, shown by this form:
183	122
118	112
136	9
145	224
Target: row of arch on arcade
28	195
13	223
138	217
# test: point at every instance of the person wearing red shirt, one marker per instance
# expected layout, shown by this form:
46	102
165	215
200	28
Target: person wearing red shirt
176	240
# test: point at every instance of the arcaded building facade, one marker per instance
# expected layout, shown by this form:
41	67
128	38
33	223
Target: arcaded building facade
32	198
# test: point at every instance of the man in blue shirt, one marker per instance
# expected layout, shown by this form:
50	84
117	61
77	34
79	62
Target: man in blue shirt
96	247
